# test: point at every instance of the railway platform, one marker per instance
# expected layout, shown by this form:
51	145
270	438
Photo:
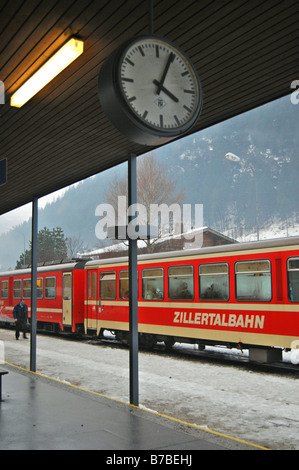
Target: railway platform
40	413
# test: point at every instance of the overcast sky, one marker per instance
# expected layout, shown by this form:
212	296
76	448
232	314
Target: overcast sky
23	213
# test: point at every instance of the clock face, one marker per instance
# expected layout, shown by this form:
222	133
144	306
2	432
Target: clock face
159	84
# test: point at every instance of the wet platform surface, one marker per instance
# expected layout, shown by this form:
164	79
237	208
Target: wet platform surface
39	413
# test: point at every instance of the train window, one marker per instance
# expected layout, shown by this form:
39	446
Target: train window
181	283
293	279
92	285
153	284
108	285
253	281
67	286
213	282
50	287
124	285
4	289
27	288
17	289
39	288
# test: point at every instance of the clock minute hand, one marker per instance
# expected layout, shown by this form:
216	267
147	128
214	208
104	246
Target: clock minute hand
161	83
166	91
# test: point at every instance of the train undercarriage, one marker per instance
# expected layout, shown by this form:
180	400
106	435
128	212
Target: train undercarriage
262	354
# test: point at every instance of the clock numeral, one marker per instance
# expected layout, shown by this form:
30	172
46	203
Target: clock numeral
124	79
189	91
130	62
133	98
161	120
176	119
141	51
145	114
157	52
185	73
188	109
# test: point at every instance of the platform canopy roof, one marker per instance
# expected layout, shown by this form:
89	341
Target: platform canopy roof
246	53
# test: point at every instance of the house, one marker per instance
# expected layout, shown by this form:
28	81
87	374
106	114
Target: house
196	238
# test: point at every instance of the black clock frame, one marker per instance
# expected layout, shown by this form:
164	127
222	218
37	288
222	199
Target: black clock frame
120	113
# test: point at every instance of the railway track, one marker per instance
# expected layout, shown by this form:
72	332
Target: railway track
213	355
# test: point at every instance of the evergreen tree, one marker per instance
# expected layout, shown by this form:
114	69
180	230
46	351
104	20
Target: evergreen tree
51	246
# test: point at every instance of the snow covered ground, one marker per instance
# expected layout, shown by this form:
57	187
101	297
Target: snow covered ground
258	407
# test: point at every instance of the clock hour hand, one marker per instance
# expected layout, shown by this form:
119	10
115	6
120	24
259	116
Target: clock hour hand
161	83
166	91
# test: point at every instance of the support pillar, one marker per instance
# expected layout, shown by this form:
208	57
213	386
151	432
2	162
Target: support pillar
133	289
33	284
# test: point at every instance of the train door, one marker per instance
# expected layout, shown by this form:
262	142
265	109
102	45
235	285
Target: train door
67	299
92	300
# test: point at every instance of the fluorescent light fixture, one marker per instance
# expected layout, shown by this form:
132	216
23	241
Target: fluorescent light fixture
58	62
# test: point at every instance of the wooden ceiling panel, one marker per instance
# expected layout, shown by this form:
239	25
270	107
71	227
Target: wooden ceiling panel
246	53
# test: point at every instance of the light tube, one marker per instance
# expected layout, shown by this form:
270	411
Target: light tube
58	62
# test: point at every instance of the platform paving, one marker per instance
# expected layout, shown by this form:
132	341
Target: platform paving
39	413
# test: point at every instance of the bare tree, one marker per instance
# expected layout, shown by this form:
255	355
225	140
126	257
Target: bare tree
154	186
74	246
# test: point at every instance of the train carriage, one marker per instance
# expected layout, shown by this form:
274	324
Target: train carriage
244	295
60	295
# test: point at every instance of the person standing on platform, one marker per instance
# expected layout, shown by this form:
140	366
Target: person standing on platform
20	314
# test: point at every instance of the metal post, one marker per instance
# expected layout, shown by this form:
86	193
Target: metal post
133	289
33	285
151	16
256	207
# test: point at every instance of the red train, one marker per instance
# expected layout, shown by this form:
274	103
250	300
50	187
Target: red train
60	295
243	295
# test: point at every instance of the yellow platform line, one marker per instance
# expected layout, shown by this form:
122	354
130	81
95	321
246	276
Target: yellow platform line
156	413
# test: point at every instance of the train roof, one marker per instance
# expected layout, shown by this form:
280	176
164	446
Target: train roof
229	248
62	265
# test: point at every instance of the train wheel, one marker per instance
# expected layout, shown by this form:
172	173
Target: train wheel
147	341
101	333
122	337
169	342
